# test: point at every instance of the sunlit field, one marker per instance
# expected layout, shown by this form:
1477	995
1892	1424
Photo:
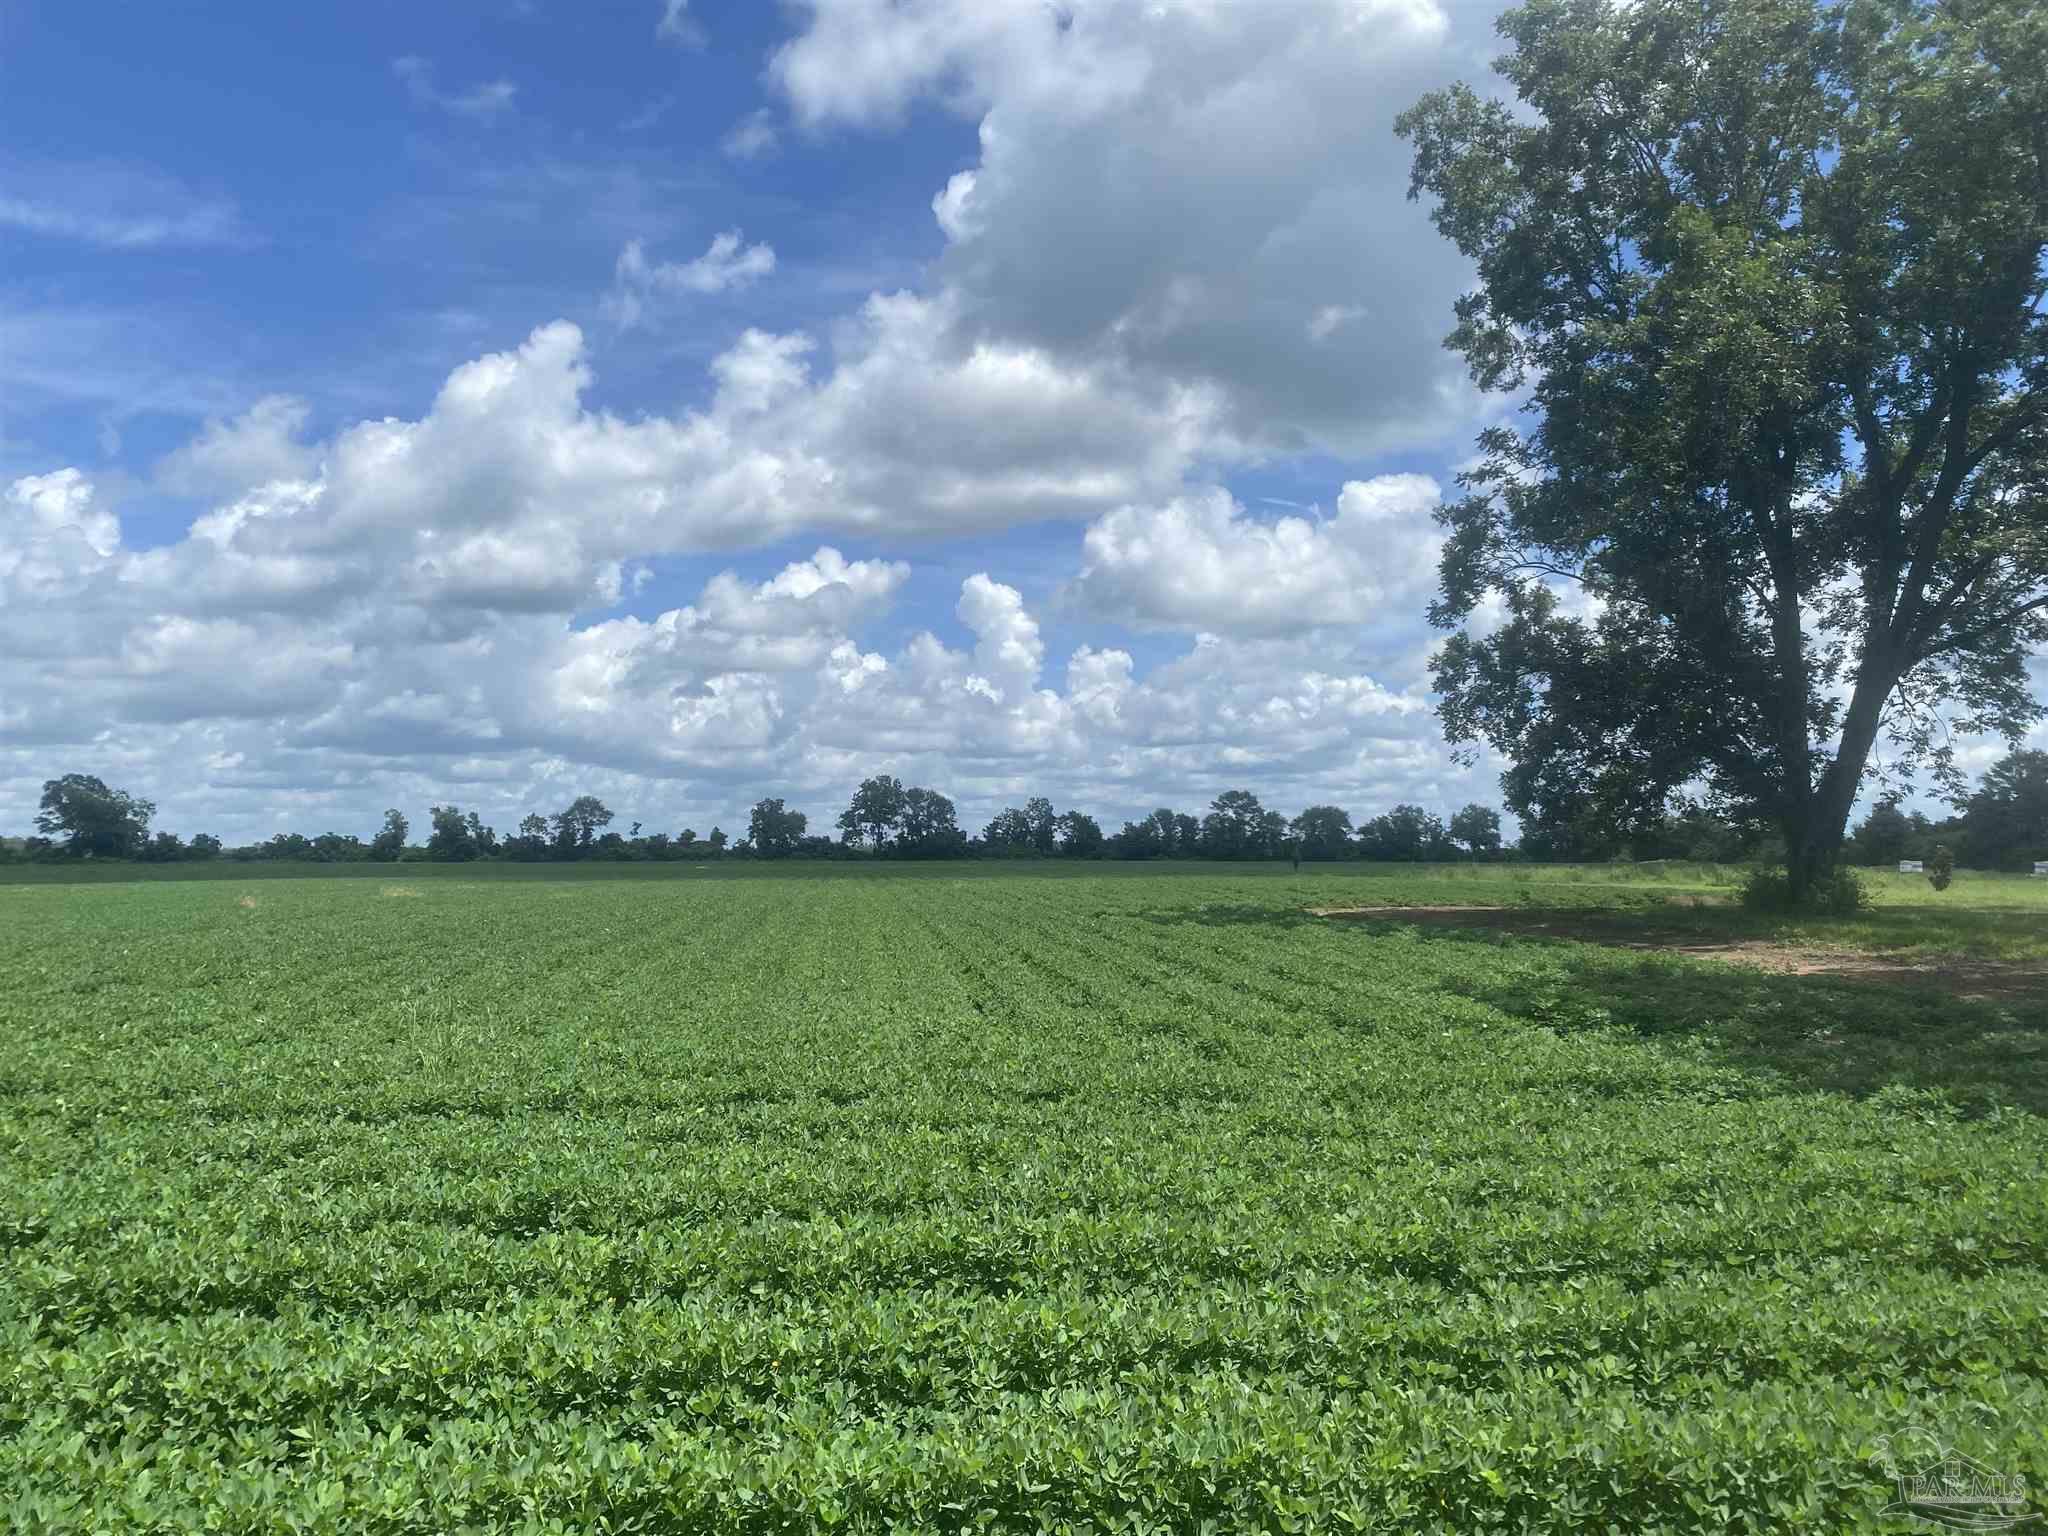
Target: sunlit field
1019	1198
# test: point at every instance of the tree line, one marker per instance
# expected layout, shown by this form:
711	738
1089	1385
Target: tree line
2002	825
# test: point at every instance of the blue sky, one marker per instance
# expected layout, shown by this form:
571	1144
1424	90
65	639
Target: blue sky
490	402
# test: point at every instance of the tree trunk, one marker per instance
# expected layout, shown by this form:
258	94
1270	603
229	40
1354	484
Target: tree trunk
1815	834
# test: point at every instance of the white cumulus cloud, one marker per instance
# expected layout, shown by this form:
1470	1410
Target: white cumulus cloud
1201	561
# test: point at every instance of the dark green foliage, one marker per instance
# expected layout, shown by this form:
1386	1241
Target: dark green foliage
1080	836
2005	823
457	838
1772	271
1477	827
1941	867
164	848
389	842
1238	827
1884	836
1407	833
1772	890
96	822
1008	833
1323	832
574	829
874	812
928	827
774	830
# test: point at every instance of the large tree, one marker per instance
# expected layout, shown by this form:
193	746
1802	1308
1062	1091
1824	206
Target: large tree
93	820
1771	274
1237	827
1323	832
389	842
774	829
929	827
873	812
454	838
1478	828
577	825
1080	835
1406	832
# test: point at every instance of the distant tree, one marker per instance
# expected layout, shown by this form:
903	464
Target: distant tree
389	842
928	827
1235	827
95	822
1477	827
1008	832
873	812
1080	836
612	847
1705	835
660	846
164	848
1575	829
1168	833
204	845
1044	825
290	847
338	847
485	838
1770	272
1138	839
1407	832
2005	823
576	826
1269	837
452	840
531	842
717	840
687	838
1187	836
774	830
1324	832
1884	834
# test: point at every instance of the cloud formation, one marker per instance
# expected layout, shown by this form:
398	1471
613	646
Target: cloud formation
1178	250
1211	194
729	263
1201	561
114	205
351	694
479	103
677	26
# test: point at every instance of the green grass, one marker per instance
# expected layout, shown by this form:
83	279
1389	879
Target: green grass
988	1198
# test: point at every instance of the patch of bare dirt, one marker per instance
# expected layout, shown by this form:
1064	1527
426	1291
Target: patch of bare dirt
1975	980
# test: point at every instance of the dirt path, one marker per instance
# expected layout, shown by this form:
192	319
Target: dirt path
1977	980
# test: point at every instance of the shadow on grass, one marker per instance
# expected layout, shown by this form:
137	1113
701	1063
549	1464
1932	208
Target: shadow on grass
1888	1000
1835	1033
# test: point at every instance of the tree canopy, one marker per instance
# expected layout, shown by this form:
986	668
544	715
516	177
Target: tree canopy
93	820
1771	274
774	830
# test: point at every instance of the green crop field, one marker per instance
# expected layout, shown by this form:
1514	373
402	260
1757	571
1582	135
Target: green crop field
939	1199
